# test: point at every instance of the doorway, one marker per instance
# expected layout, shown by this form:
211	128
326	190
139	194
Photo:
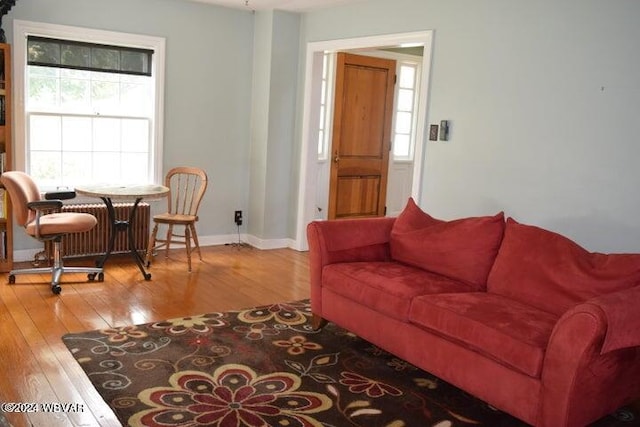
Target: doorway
307	209
361	136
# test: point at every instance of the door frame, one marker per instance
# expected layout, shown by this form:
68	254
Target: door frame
307	186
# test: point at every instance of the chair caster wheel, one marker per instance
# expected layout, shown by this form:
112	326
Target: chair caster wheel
100	277
56	289
12	279
147	276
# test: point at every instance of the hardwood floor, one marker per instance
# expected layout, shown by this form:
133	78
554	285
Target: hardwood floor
36	366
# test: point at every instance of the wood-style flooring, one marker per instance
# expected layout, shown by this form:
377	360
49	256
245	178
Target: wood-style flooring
36	367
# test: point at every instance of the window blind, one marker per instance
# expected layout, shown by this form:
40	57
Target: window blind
48	52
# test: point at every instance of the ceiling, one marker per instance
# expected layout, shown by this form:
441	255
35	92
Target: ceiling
288	5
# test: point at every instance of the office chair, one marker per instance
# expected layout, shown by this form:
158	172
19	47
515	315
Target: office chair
40	220
187	186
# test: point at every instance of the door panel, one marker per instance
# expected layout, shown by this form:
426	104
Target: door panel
359	195
361	136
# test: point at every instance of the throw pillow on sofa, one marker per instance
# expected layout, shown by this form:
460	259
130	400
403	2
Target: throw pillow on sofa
463	249
551	272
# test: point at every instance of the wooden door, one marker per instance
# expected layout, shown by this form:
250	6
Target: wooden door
361	137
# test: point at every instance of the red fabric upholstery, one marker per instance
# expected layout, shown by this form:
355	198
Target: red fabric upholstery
622	318
483	377
581	384
554	341
413	218
551	272
387	287
463	249
344	241
511	333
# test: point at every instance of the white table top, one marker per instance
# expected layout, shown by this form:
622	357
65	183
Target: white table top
124	192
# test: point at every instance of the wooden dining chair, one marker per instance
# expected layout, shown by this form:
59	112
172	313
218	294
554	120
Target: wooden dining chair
187	185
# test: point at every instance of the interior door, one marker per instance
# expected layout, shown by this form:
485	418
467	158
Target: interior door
361	136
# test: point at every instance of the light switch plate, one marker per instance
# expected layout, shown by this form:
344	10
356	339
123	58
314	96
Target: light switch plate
444	130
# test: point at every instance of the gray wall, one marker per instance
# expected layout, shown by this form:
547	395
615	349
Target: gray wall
207	93
543	97
276	42
544	102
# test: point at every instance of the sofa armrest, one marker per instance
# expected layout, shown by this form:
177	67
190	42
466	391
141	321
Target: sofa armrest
579	369
622	313
347	240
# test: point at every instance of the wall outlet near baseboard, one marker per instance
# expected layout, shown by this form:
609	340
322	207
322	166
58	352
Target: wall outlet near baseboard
237	218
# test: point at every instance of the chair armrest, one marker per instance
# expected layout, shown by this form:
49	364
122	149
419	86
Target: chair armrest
41	205
60	195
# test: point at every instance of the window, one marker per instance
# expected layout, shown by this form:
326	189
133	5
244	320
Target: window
404	118
326	98
92	110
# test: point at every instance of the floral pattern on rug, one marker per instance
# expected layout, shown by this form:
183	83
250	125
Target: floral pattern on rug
234	395
266	366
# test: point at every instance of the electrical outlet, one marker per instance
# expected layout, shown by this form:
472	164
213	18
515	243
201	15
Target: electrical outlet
237	218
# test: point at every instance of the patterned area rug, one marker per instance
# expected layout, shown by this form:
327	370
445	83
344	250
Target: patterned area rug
265	366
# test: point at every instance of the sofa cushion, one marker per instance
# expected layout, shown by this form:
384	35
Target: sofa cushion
463	249
551	272
387	287
508	331
413	218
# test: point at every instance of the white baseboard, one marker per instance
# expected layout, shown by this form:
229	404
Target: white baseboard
270	243
246	238
22	255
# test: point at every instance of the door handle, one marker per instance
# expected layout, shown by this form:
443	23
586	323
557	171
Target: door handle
336	157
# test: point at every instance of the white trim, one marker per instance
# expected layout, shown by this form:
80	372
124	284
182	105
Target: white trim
21	29
258	243
26	255
269	243
307	186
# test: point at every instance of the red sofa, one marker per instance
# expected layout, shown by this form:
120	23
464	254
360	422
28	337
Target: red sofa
521	317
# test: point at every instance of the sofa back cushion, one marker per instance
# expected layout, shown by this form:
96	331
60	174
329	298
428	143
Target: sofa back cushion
551	272
462	249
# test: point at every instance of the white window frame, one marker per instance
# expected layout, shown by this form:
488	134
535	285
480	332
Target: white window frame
22	29
326	125
415	64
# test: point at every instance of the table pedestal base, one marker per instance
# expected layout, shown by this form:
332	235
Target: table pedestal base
118	226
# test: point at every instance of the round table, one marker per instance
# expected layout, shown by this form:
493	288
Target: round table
134	193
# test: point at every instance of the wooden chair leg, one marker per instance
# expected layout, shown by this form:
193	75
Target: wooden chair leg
168	241
187	243
151	244
194	235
